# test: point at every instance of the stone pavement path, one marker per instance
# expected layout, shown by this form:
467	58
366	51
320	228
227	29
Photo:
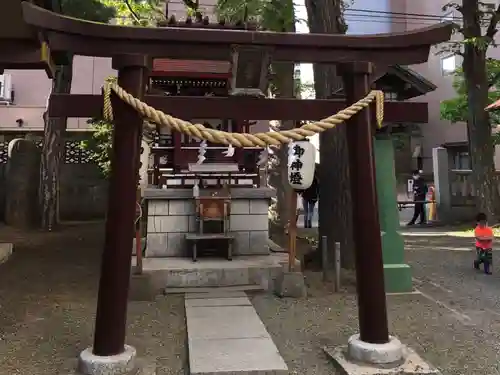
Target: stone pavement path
225	335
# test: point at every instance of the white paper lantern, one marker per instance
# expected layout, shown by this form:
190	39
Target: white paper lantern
301	164
143	170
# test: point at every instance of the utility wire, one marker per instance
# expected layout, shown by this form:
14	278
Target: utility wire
388	17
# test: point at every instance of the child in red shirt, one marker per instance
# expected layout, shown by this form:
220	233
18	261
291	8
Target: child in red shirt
484	244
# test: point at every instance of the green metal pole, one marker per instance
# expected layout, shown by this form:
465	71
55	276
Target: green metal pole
397	274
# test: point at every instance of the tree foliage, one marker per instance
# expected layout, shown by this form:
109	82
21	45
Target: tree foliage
457	110
99	146
90	10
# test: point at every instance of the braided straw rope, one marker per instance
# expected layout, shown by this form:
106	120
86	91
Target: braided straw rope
239	139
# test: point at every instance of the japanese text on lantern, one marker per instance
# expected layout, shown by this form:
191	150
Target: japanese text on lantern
296	164
301	164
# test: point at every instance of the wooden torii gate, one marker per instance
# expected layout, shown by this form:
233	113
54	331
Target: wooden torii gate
20	47
131	49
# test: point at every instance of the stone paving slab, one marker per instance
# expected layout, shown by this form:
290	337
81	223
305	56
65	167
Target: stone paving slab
215	294
226	322
226	336
238	356
211	302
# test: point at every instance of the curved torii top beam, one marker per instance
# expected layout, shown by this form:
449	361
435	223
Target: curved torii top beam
96	39
20	46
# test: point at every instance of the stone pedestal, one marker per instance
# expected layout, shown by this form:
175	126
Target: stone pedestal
397	274
291	284
441	169
171	215
22	185
126	363
392	358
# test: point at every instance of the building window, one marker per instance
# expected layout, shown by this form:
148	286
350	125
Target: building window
390	96
461	160
448	64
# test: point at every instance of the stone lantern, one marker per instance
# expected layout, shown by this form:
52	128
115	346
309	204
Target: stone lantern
250	70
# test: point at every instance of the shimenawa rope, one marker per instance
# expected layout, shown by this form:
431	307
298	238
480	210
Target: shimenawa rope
238	139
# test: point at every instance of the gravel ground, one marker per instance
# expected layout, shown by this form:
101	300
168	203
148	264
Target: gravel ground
454	324
301	327
48	295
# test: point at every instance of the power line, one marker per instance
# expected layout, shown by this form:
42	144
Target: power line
375	16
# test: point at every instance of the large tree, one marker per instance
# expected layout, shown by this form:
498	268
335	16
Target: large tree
274	15
335	213
54	128
478	28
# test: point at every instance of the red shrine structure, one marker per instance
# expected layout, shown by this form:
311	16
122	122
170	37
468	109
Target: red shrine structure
172	153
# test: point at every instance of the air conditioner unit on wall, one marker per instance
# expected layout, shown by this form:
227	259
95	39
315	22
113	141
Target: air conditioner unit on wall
6	89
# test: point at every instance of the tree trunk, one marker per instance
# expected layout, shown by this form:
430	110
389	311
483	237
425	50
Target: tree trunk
285	88
335	211
53	147
482	149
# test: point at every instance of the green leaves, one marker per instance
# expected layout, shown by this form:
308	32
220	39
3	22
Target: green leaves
100	145
90	10
136	12
275	15
456	109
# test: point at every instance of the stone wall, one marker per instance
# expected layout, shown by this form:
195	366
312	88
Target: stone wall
170	219
82	188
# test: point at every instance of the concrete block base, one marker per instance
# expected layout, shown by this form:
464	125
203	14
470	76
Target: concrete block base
141	288
291	284
125	363
397	278
410	362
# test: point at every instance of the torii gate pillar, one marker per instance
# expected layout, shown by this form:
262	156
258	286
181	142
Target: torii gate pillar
373	344
111	317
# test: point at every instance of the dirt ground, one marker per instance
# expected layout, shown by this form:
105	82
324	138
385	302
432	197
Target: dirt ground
48	293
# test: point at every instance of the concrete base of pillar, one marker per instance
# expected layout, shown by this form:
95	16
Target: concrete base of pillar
393	358
6	250
397	278
125	363
291	284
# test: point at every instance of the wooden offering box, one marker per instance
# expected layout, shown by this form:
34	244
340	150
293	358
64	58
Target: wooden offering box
213	208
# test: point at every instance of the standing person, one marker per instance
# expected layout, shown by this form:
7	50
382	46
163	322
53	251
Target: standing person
419	194
309	200
484	244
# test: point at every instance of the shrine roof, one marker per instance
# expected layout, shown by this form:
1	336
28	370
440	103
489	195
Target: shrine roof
404	81
95	39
